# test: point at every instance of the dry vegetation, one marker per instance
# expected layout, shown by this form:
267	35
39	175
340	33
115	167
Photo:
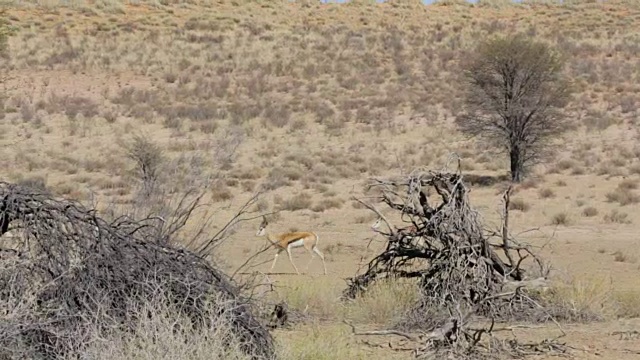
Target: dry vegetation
305	102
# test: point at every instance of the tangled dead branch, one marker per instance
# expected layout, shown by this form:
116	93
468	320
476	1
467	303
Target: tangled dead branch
449	251
64	269
460	272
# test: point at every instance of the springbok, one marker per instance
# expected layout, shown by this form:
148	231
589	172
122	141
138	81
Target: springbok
291	240
407	231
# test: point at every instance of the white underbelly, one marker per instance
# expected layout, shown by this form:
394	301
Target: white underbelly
297	243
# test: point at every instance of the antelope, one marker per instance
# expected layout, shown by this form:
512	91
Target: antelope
411	229
408	231
291	240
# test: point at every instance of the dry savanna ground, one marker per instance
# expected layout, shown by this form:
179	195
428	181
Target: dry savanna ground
309	101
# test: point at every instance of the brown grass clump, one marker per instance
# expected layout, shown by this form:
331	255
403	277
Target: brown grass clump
385	302
598	121
530	183
589	211
628	184
619	256
581	300
561	218
617	217
382	305
628	303
312	299
519	204
546	193
322	342
326	204
634	169
566	164
297	202
623	196
221	193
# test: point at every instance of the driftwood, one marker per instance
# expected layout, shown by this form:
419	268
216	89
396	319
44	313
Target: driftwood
462	275
70	269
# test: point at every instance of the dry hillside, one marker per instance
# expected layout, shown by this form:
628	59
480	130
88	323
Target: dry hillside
308	101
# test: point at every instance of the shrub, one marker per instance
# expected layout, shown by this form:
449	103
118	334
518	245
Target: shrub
221	193
157	321
561	218
148	158
546	193
581	300
297	202
519	204
589	211
384	302
326	204
616	217
623	196
619	256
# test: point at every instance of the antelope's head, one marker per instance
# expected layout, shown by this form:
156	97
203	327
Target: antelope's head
263	226
376	224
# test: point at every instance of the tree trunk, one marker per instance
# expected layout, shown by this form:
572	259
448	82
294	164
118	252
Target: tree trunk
516	164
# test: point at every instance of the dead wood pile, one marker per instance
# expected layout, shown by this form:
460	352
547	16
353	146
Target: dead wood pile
465	271
63	269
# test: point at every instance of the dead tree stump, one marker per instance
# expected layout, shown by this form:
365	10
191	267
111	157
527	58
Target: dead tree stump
460	272
449	252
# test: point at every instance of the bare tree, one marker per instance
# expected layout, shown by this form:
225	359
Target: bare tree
148	158
515	90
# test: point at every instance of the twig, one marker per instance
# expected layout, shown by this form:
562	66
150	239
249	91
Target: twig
509	328
381	332
259	252
628	334
375	210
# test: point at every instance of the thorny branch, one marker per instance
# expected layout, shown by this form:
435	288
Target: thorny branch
240	216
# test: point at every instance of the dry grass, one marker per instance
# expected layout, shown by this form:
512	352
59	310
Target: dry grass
628	303
319	299
382	304
519	204
310	341
617	217
176	341
561	218
546	193
297	202
589	211
306	101
323	343
584	299
623	196
619	256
